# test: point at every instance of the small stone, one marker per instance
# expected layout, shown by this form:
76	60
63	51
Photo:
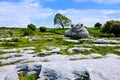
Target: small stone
78	49
9	50
94	56
29	51
72	41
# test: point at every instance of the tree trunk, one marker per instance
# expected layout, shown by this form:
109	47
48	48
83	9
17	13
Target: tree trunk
61	24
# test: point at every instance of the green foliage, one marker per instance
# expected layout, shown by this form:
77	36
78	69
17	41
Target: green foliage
61	20
9	44
59	31
15	40
10	33
1	64
97	25
112	27
27	32
52	39
27	77
43	29
32	77
31	26
97	33
100	50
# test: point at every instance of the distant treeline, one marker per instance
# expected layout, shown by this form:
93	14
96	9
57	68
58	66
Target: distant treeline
11	28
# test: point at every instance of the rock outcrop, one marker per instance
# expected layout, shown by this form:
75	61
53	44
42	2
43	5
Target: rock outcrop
25	69
100	69
77	31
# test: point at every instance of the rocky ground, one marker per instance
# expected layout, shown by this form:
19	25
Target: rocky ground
50	64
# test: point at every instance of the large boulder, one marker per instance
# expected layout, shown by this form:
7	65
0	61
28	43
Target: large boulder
77	31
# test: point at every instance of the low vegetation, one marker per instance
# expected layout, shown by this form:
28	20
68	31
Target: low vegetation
98	25
97	33
43	29
27	77
31	27
54	37
112	27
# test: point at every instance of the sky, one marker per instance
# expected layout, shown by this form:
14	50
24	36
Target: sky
20	13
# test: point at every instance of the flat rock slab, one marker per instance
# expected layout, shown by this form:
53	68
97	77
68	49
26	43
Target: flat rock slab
78	49
72	41
112	56
101	41
5	39
90	69
56	57
109	45
101	69
10	55
118	50
9	50
8	73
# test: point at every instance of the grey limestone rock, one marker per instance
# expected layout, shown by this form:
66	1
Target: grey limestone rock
26	69
103	41
8	73
77	31
78	49
90	69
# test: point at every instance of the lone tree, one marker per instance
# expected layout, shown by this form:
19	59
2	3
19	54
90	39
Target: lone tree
97	25
112	27
61	20
31	26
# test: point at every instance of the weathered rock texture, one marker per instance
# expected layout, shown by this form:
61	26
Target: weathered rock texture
100	69
77	31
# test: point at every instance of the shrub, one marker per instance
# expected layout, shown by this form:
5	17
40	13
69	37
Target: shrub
112	27
43	29
97	33
27	32
31	26
97	25
10	33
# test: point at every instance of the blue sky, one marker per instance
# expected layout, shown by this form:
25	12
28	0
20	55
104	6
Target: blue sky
19	13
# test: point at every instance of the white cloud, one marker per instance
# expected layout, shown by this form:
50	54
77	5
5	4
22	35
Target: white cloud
23	13
102	1
107	1
79	0
50	0
90	17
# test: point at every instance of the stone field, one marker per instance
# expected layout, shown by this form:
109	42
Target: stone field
52	64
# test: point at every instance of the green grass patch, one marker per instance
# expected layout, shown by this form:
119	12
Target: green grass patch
73	59
97	33
53	37
27	77
8	44
11	63
100	50
1	64
98	57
